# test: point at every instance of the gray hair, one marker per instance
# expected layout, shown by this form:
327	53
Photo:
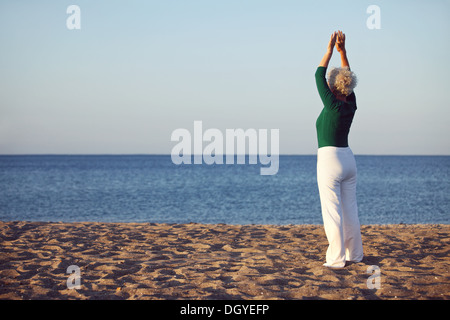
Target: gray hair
343	80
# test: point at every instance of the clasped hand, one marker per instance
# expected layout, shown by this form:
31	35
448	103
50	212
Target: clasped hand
337	39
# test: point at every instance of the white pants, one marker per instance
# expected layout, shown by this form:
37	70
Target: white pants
336	178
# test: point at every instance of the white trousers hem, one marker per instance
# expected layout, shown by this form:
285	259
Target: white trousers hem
336	179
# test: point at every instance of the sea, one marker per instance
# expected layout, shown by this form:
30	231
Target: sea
152	189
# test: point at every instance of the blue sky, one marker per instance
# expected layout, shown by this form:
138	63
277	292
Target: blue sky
137	70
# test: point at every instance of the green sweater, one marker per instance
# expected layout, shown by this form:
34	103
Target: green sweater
333	123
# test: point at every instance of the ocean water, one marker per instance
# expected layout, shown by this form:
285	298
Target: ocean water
150	188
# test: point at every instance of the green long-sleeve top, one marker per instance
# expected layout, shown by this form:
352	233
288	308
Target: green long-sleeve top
333	123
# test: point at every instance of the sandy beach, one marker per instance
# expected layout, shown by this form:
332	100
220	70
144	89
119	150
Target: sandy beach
197	261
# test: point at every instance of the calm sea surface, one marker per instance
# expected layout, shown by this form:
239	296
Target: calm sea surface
149	188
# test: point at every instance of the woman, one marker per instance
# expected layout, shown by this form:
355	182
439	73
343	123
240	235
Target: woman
336	166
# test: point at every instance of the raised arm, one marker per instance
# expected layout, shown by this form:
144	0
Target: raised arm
326	58
340	47
325	93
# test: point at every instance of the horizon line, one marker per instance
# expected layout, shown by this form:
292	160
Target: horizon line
191	155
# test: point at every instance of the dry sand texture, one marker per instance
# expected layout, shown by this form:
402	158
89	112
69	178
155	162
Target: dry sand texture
197	261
